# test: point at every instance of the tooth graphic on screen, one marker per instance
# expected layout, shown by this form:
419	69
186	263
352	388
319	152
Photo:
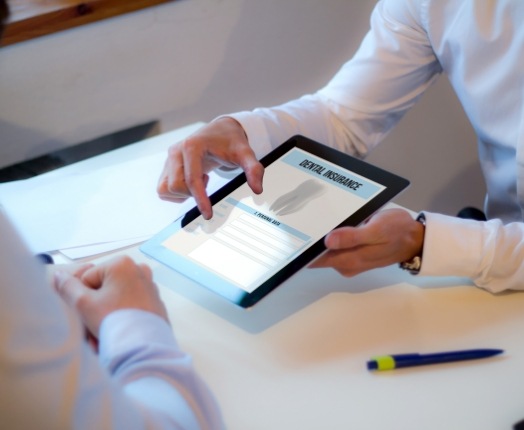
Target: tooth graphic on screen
296	199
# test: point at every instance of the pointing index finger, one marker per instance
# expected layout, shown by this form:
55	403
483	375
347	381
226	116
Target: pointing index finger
196	182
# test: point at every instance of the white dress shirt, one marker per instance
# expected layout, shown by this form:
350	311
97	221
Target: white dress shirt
51	379
479	44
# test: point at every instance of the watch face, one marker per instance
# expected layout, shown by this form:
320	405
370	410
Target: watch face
413	265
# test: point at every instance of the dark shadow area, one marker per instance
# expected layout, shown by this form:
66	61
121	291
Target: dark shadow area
73	154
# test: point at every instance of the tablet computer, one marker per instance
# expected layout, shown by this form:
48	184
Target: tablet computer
253	243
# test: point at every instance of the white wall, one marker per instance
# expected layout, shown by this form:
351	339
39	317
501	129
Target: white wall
191	60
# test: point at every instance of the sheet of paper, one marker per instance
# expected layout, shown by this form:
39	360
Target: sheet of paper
105	205
100	248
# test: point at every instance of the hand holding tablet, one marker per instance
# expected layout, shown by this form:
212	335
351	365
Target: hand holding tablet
253	243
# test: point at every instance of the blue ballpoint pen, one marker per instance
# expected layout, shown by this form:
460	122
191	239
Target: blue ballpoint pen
389	362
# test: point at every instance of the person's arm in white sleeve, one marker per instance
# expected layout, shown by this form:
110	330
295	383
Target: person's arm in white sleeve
51	378
393	67
490	253
141	354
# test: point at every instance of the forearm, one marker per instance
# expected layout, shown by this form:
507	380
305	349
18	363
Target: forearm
489	253
362	103
159	377
54	380
266	128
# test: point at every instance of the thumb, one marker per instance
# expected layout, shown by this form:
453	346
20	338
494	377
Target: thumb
346	238
69	287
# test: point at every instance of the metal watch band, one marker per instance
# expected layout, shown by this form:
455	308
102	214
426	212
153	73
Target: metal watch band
413	265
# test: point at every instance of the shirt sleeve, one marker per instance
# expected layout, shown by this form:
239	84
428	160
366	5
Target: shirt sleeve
51	378
140	351
489	253
361	104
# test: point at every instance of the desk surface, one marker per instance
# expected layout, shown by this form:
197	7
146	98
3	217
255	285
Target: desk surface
297	359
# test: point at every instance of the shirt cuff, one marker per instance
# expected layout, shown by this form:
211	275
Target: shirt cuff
127	330
451	246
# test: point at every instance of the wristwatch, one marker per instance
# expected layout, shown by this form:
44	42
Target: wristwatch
413	265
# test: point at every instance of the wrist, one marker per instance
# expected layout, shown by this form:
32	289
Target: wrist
232	125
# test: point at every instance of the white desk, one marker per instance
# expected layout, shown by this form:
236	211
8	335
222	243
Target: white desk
297	359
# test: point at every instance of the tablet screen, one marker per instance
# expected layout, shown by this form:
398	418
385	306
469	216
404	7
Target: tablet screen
254	242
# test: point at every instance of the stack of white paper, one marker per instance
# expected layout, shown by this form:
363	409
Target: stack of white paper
86	211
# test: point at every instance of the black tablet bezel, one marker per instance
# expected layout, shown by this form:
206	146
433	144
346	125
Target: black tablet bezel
393	184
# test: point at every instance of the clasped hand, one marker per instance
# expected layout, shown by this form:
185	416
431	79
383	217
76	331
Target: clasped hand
96	291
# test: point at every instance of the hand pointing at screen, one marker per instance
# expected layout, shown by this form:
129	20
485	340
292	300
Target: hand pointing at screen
221	143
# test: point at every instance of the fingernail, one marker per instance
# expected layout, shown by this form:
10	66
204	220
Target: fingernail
61	277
